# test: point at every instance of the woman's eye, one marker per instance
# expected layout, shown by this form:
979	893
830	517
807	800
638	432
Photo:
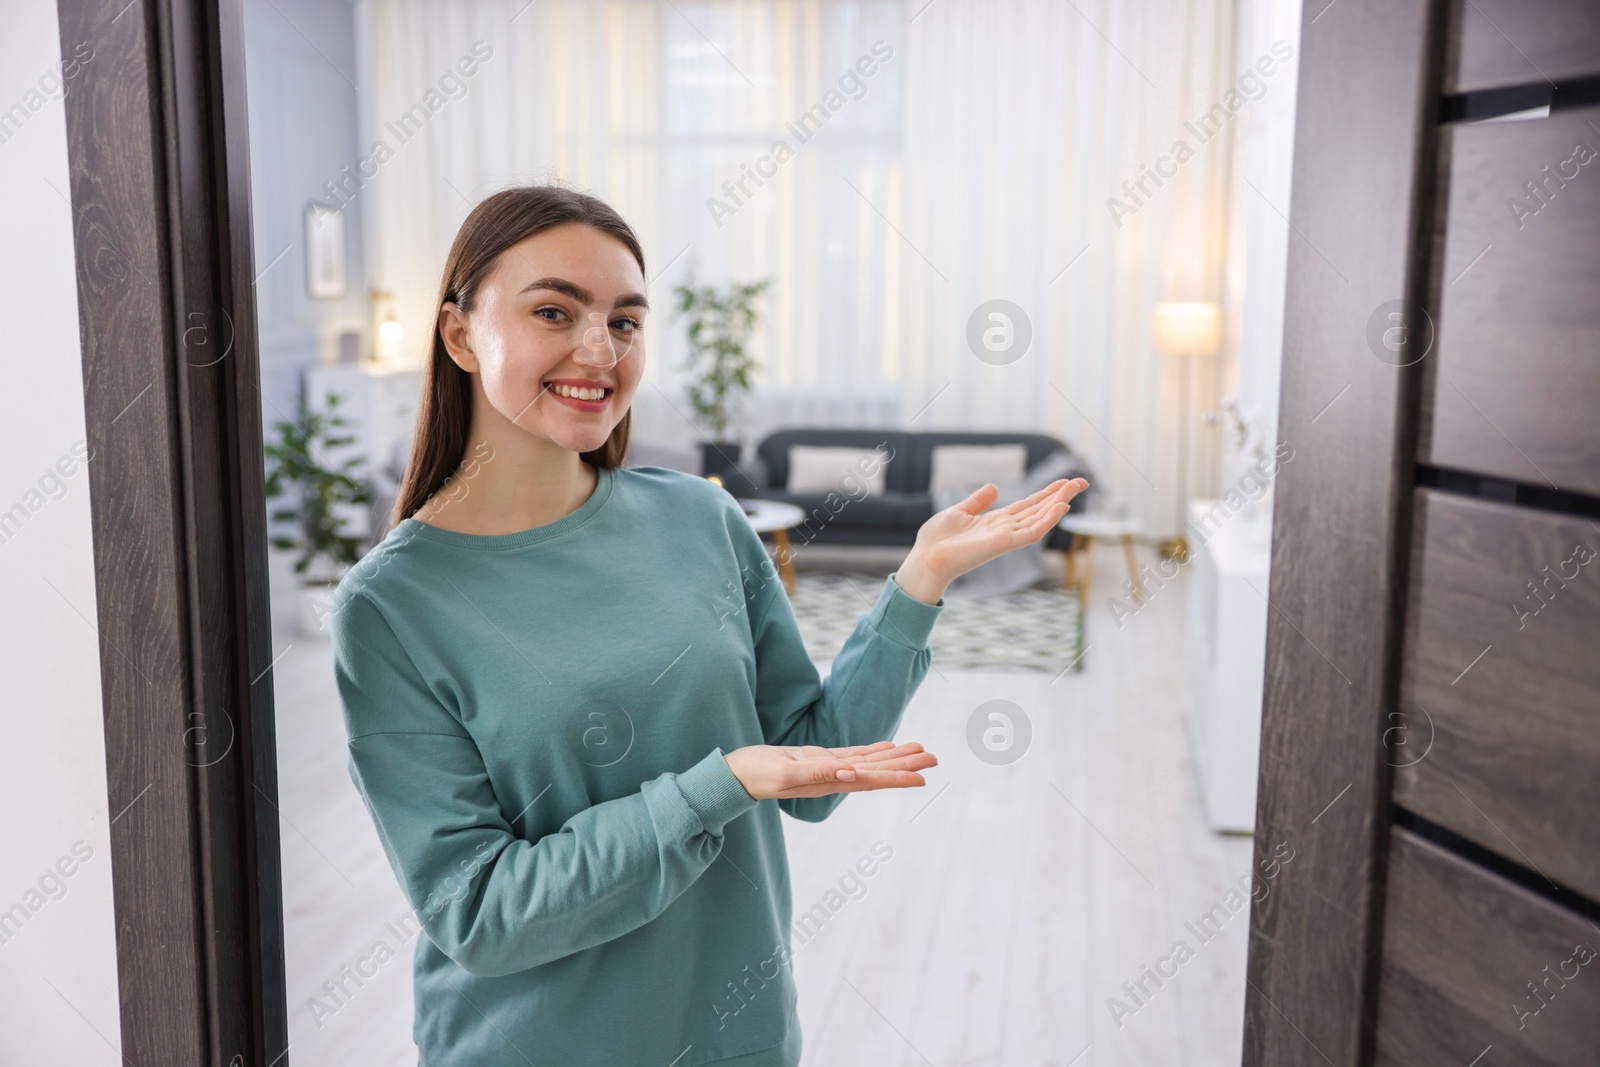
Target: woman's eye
550	314
626	325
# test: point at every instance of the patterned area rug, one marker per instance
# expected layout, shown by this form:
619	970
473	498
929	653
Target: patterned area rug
1037	629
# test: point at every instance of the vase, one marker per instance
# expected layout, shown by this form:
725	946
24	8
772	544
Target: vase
716	457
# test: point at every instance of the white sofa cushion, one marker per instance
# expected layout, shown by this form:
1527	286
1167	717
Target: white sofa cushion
970	466
825	468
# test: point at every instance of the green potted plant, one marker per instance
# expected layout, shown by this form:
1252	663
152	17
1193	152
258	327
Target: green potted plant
719	324
322	495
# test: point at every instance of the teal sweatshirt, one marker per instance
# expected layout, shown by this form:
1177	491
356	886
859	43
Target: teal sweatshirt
537	723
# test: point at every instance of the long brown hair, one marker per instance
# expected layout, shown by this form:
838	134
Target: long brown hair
444	414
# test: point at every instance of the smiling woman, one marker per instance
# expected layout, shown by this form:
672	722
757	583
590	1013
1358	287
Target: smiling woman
519	289
544	711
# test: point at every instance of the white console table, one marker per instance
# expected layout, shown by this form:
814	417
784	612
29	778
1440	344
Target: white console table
1225	658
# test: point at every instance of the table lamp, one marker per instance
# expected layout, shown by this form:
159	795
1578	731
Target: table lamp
388	332
1185	328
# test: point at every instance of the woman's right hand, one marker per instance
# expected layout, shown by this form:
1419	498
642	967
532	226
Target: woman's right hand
777	772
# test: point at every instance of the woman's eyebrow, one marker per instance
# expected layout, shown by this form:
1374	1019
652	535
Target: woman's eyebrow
584	296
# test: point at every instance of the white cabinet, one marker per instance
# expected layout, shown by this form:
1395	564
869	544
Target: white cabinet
380	405
1225	657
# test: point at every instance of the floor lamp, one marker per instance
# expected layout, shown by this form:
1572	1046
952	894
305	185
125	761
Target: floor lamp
1186	329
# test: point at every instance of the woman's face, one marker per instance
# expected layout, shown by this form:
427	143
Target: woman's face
564	308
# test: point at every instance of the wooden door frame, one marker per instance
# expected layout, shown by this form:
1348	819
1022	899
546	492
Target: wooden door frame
159	187
1366	134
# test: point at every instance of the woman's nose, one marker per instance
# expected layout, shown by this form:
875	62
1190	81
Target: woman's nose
597	337
599	348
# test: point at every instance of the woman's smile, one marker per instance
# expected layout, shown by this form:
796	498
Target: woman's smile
580	393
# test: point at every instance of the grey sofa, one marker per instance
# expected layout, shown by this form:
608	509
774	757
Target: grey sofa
894	516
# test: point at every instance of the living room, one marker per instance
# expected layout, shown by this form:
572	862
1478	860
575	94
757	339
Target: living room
894	252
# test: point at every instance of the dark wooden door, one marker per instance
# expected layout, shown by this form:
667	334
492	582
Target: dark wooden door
1431	728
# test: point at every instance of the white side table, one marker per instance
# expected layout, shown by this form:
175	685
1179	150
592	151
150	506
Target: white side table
1084	529
776	518
1225	660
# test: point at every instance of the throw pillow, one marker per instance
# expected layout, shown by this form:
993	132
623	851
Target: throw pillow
831	468
957	466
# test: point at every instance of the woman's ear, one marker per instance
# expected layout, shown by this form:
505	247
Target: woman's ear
453	329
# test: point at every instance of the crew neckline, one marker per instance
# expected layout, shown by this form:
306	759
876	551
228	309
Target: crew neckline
604	483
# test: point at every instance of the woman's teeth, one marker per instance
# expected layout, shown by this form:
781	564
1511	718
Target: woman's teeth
579	394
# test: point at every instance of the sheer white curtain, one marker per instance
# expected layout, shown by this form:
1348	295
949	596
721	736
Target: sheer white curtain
973	163
1259	244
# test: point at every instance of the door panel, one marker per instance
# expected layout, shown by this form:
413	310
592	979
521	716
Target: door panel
1500	684
1479	970
1516	359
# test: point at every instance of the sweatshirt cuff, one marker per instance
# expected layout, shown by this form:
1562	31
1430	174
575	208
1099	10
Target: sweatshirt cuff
901	617
714	793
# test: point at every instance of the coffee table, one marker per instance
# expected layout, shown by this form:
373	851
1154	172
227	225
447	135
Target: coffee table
1084	529
776	518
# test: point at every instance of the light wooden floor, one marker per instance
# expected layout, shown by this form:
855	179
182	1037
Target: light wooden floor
1017	901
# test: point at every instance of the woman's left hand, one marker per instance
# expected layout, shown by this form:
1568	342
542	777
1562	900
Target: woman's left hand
968	535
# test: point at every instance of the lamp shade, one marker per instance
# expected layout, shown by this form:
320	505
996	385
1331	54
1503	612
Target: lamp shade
1187	326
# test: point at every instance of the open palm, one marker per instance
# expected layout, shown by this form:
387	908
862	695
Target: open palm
968	535
784	771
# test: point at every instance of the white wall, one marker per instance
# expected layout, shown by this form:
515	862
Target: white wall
58	977
300	70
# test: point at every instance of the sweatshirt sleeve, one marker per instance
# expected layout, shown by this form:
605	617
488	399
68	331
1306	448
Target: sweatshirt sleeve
874	675
493	901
